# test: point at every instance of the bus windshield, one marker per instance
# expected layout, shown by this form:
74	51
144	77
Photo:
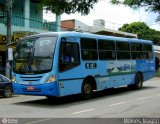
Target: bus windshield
34	55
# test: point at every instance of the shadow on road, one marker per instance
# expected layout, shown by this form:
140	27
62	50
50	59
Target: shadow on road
76	99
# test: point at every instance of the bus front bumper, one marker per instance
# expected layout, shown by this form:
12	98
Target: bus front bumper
39	90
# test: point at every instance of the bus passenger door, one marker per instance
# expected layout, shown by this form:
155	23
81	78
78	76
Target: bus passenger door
69	70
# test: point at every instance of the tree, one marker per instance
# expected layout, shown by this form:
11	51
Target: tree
142	30
150	5
69	6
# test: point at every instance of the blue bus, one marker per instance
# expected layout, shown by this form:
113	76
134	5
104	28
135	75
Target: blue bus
64	63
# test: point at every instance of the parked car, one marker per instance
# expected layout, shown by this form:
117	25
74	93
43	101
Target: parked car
6	89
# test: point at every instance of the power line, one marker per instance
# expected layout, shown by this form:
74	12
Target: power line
68	28
50	14
50	24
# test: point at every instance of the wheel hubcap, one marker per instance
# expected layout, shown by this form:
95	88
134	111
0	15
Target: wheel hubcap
87	89
8	93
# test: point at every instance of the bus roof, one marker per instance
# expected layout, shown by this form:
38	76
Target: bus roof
141	40
81	34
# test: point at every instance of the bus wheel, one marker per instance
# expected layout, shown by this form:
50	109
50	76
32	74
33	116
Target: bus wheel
87	90
138	82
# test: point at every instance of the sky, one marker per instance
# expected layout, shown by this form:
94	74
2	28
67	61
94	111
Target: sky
114	16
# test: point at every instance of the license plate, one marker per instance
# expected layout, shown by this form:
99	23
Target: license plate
30	88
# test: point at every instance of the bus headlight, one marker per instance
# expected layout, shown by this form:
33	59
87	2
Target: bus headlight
51	79
13	80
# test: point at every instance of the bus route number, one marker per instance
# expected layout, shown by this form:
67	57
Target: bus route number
45	43
91	65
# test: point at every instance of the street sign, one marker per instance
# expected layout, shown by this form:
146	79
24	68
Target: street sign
10	54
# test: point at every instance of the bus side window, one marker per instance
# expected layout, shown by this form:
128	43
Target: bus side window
147	49
136	51
68	56
89	49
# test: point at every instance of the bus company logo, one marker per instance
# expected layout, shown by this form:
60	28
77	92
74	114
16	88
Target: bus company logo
9	121
4	121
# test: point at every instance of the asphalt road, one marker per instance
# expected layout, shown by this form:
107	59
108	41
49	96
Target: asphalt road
116	103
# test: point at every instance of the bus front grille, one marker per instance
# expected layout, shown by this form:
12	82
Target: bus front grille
28	78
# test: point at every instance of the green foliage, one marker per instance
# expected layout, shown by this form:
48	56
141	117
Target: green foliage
151	5
69	6
142	30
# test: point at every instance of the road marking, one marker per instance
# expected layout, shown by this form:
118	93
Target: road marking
144	97
82	111
117	103
34	122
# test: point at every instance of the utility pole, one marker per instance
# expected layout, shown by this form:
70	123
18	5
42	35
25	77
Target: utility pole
9	53
9	15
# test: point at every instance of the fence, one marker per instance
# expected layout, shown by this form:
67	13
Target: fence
36	23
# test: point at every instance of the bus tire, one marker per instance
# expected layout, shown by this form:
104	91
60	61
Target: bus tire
87	90
138	82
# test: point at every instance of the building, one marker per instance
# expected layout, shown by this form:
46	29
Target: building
97	28
27	18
